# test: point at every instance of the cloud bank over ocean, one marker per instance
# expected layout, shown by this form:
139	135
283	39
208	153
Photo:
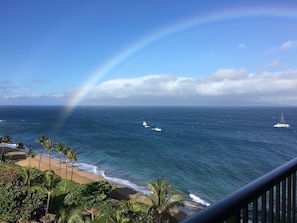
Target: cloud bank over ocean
223	87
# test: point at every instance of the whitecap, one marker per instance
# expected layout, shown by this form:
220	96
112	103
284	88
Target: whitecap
126	183
198	200
87	167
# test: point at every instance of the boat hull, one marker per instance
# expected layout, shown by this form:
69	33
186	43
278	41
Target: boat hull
281	125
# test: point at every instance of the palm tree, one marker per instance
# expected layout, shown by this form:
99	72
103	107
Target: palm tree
72	156
73	216
162	201
63	216
77	216
66	151
48	146
131	208
6	139
40	141
51	181
28	174
59	149
119	217
30	154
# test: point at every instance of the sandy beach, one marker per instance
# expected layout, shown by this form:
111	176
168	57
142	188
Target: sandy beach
79	176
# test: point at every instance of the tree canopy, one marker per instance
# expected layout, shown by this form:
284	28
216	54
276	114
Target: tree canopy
88	195
162	199
16	204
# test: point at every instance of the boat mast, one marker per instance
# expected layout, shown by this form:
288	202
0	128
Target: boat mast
282	118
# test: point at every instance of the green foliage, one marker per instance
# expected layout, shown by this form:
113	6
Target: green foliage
120	211
6	139
10	201
28	175
161	200
108	207
141	217
102	219
51	180
16	204
25	192
77	216
87	195
61	186
32	201
59	195
119	217
136	212
30	154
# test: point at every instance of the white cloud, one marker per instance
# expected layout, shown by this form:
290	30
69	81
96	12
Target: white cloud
32	96
147	85
289	44
224	84
223	87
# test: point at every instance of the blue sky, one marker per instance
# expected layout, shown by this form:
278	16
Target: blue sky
113	52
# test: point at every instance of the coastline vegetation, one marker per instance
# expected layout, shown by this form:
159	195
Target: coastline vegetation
43	196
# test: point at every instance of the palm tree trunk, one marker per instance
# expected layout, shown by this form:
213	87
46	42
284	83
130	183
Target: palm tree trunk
49	160
92	214
65	176
29	196
40	159
60	164
71	171
48	202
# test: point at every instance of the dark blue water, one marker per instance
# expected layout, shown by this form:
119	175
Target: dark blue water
209	152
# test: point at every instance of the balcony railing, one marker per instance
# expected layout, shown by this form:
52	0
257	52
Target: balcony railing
271	198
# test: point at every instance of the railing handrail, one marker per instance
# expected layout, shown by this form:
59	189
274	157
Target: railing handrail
229	205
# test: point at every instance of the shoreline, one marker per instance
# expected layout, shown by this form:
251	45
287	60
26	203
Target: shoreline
79	175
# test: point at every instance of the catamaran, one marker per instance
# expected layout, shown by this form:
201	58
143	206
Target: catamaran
282	123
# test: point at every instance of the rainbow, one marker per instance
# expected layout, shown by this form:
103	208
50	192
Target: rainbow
221	16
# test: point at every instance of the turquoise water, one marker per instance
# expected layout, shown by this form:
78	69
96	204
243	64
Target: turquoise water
206	151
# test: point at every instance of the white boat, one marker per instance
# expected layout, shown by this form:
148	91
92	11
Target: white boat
282	123
145	124
157	129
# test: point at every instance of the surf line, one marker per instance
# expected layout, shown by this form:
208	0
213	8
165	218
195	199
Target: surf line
158	35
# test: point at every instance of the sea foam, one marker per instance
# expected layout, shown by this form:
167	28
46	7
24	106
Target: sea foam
127	183
99	172
198	200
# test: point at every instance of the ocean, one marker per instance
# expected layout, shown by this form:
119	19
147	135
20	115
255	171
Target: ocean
205	152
